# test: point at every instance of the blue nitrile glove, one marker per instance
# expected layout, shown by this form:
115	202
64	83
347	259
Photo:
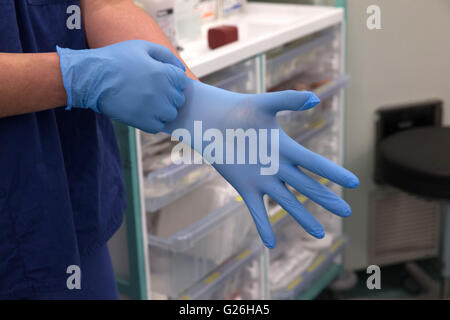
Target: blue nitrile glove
136	82
221	110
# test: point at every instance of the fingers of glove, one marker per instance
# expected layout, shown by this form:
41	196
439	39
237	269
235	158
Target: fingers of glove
314	162
178	99
279	193
255	205
168	114
314	190
287	100
176	76
162	54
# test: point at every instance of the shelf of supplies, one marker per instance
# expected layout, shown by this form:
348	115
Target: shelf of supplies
302	282
262	27
218	277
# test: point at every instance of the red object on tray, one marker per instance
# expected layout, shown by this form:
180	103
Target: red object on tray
222	35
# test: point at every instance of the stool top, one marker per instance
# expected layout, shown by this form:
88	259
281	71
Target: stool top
418	161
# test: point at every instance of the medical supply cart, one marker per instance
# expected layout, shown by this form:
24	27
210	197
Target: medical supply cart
188	234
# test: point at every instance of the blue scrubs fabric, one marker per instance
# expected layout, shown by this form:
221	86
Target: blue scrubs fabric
97	281
61	186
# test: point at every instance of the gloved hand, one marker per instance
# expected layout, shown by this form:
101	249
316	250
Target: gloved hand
220	110
136	82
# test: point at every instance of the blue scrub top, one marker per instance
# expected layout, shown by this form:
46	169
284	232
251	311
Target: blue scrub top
61	186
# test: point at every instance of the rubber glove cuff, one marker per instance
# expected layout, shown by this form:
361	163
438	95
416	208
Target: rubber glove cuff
68	59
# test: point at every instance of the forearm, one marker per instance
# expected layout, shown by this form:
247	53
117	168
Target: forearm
30	82
110	21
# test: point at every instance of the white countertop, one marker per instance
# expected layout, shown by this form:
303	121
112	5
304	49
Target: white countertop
263	26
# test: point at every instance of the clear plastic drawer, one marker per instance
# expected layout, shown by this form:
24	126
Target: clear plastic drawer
314	54
172	182
296	122
293	271
240	278
241	77
164	181
194	235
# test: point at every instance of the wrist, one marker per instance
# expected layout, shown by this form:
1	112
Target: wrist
79	89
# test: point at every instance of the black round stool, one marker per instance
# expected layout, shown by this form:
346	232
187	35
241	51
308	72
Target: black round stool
418	161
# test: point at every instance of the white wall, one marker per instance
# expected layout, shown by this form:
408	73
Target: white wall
408	60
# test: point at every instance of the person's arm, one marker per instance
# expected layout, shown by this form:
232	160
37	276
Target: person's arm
30	82
110	21
33	82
